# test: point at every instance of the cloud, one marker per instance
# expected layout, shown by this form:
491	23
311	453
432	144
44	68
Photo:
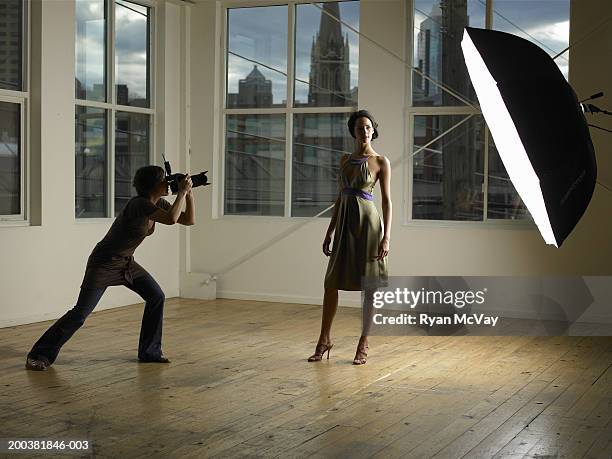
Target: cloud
555	33
87	10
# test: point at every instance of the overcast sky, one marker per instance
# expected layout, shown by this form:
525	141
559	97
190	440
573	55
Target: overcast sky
260	34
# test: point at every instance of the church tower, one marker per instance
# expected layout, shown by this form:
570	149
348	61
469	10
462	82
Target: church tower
330	77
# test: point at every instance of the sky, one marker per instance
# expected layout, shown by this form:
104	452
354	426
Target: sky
261	34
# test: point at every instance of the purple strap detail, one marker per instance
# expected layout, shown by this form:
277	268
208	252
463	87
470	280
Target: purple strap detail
358	192
358	160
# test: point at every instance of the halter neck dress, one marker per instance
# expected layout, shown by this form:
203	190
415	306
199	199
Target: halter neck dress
358	232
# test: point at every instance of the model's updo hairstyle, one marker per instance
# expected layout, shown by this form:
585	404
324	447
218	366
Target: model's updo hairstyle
146	179
360	114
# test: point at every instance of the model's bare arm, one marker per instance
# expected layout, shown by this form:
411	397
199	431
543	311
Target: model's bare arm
387	208
334	219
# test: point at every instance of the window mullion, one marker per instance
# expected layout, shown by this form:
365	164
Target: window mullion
151	83
411	52
409	166
110	52
22	160
110	115
110	151
224	46
289	104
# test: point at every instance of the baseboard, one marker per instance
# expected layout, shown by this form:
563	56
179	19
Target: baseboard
279	298
56	314
44	317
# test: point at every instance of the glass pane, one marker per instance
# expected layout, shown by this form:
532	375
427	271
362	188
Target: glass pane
257	57
326	55
10	159
132	52
318	144
503	200
438	31
132	146
90	50
11	42
90	162
255	165
544	23
448	173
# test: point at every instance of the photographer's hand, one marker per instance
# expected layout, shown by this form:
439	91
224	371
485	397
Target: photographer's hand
173	214
185	184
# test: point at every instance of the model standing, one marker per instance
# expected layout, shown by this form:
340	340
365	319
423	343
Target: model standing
361	241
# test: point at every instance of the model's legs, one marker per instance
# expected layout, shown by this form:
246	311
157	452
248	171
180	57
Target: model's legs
50	343
366	323
149	344
330	306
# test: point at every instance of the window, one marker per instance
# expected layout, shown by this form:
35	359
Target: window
14	98
114	109
285	111
456	172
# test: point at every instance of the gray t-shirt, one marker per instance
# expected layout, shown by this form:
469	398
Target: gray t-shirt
112	262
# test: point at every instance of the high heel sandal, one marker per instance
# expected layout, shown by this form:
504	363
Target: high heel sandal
319	351
363	351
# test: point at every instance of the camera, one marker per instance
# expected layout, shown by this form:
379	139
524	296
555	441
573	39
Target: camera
174	179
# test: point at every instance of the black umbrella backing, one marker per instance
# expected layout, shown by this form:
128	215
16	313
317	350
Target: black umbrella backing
538	126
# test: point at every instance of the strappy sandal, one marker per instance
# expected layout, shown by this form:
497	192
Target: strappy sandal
361	350
319	351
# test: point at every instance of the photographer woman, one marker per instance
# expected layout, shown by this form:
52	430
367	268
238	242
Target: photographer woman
112	263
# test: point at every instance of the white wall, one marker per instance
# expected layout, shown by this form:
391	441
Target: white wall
42	265
293	269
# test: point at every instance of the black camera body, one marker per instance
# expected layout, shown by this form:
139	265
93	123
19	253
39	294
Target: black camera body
174	179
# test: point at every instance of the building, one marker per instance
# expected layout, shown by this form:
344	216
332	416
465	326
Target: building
330	76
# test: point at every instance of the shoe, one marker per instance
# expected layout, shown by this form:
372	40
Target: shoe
319	351
361	354
160	359
36	364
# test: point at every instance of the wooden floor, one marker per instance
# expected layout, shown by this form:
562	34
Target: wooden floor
239	386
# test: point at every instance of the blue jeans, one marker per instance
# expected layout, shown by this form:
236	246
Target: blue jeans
149	345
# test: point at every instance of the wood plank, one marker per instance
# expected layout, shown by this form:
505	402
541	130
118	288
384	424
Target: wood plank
239	385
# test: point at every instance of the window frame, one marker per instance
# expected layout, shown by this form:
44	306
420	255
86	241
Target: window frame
411	111
289	110
111	107
23	99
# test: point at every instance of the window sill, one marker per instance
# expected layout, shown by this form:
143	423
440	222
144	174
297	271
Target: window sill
16	223
85	221
487	224
264	218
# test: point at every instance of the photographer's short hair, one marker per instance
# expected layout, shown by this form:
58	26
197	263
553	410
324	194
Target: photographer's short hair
146	179
362	114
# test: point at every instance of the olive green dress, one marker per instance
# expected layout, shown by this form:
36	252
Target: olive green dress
357	234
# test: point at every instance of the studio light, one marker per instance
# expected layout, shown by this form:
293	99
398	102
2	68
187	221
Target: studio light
538	127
